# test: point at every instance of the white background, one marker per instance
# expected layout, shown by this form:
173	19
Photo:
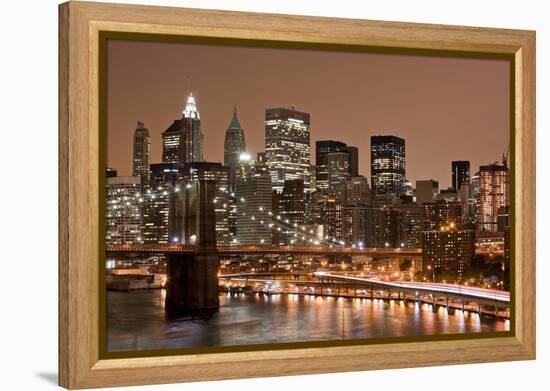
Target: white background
28	222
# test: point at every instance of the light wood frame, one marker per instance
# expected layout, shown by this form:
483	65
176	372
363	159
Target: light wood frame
79	363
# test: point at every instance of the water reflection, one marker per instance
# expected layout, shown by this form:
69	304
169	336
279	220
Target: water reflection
136	321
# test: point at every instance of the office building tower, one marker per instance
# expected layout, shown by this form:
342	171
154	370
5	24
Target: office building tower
338	169
426	191
412	224
358	191
292	207
217	174
123	210
182	142
234	146
441	213
494	182
254	208
157	202
353	160
142	154
388	164
460	173
287	148
448	248
322	149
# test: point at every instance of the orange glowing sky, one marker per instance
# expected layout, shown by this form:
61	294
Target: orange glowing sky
445	108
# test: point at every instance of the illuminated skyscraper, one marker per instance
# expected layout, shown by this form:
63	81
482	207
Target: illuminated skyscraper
182	142
287	149
254	208
142	154
234	146
292	206
338	169
123	219
494	183
214	172
156	202
387	164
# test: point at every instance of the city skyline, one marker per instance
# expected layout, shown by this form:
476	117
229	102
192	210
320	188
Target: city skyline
217	114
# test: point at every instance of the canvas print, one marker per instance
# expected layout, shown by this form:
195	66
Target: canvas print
267	195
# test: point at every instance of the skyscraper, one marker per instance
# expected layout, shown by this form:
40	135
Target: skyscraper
234	146
292	206
219	175
142	154
182	142
322	149
494	181
156	202
338	169
460	173
353	160
123	207
254	208
387	164
287	149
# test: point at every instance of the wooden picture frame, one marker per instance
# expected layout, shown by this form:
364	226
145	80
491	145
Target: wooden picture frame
80	150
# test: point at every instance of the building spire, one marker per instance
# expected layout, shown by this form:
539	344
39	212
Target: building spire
191	110
235	124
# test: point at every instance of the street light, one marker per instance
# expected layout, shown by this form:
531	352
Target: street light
433	272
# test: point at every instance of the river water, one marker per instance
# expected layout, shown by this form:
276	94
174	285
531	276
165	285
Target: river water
136	321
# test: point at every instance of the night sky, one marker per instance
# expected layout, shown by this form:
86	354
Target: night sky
445	108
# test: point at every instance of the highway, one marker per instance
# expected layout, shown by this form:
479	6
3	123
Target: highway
445	289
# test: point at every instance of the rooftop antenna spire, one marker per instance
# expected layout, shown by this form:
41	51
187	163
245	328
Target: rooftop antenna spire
190	85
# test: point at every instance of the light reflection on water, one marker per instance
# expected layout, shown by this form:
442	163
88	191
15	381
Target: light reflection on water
136	321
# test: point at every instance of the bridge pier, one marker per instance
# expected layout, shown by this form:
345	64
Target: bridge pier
192	279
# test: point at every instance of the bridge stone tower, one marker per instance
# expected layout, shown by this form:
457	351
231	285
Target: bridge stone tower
192	284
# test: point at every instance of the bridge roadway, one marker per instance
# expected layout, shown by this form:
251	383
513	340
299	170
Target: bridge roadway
449	290
261	250
120	249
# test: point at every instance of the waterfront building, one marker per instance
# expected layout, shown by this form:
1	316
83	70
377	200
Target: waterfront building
426	191
494	182
123	210
448	248
234	146
388	164
183	141
253	196
355	224
219	175
142	154
292	206
322	149
287	146
157	202
460	173
333	218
